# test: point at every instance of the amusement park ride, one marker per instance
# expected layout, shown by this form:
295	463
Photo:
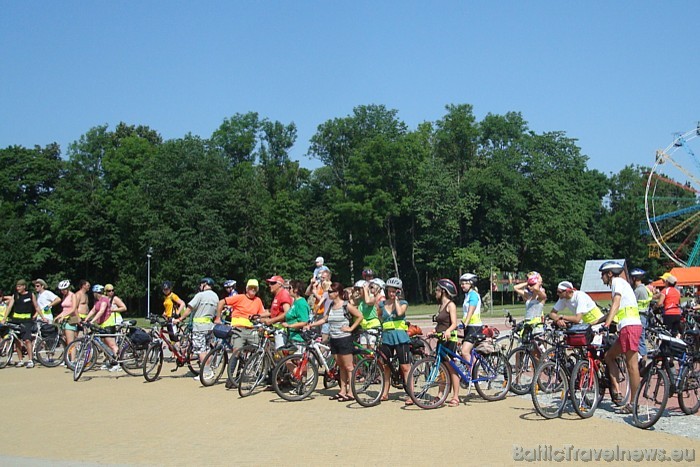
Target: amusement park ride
671	201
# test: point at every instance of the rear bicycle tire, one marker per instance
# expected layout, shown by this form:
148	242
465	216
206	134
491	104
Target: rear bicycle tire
6	349
73	348
252	374
217	359
550	387
522	365
153	362
85	353
331	381
429	384
651	398
297	383
234	370
131	359
584	389
49	352
491	376
688	395
367	382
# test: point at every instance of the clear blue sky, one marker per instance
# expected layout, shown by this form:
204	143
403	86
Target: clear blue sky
620	77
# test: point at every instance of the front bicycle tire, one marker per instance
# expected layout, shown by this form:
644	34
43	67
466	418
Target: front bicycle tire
491	376
6	350
235	365
131	359
623	381
584	389
550	387
522	364
85	352
71	354
153	361
332	376
252	374
651	398
191	357
49	352
216	361
367	382
429	384
294	379
690	388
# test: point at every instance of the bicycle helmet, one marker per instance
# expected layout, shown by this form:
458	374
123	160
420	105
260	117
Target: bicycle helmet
97	288
360	284
207	280
167	285
469	277
533	277
230	283
367	272
63	285
612	266
637	272
394	282
378	282
448	286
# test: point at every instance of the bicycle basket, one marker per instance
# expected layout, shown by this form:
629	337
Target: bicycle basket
139	338
49	331
223	331
671	346
579	335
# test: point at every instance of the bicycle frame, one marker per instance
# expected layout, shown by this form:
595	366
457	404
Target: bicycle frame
444	353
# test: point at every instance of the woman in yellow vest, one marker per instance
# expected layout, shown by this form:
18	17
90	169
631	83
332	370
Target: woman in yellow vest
395	340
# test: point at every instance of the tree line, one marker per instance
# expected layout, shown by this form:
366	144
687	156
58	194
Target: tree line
447	197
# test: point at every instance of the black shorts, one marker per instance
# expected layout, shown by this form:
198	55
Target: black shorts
673	324
402	352
471	332
110	330
342	345
27	328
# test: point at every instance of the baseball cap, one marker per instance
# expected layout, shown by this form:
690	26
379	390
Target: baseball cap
40	281
668	278
252	283
109	287
21	282
319	259
275	279
565	285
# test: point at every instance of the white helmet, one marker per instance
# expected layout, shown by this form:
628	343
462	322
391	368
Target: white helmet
378	282
394	282
361	283
612	266
63	285
468	277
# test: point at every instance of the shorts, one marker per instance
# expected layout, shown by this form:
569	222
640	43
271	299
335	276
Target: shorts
629	338
325	328
200	341
471	333
342	345
402	352
243	336
69	327
110	330
673	324
368	339
26	330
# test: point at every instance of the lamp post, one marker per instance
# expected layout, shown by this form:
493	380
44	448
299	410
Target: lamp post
148	291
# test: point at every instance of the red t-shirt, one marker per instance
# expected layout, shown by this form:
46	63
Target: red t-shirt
280	299
672	301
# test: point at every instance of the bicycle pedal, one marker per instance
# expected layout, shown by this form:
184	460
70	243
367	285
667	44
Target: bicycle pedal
173	370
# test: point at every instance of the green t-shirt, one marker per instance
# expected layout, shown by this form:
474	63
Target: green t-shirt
298	313
368	311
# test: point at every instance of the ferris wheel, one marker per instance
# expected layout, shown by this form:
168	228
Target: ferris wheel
672	200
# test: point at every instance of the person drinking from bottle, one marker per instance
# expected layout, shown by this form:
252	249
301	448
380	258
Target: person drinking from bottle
395	340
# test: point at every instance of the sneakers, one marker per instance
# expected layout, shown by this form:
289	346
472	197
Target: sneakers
19	363
115	368
30	364
105	366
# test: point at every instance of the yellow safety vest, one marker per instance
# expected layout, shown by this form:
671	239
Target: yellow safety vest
592	316
398	325
241	322
111	321
371	323
626	312
22	315
203	320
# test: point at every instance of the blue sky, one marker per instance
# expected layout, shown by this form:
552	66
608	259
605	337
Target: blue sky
617	76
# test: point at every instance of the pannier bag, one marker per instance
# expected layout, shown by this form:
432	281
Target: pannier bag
48	331
579	335
672	346
222	331
139	338
487	346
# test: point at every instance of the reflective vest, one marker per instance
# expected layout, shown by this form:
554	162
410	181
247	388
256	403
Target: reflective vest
592	316
626	312
202	320
371	323
398	325
241	322
111	321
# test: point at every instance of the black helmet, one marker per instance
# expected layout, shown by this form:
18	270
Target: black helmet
448	286
167	285
207	280
367	272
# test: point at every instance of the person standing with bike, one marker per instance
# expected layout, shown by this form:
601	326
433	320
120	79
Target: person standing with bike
68	317
471	313
643	296
446	328
203	308
365	302
116	304
101	314
297	317
170	301
583	306
669	299
45	299
623	309
395	340
22	308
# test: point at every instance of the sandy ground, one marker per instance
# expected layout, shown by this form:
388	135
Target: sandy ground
118	419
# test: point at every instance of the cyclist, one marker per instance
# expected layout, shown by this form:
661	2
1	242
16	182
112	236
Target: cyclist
46	299
376	289
68	317
170	299
446	328
21	309
282	301
81	299
203	307
395	340
471	313
101	314
230	287
116	304
365	301
243	307
643	296
625	309
583	306
669	298
535	297
367	274
297	316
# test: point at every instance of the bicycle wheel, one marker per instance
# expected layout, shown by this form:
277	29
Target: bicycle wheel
85	352
651	398
584	389
428	384
293	378
216	361
491	376
253	373
6	350
503	345
689	388
49	352
623	381
367	382
549	389
153	361
235	365
191	357
71	354
131	358
332	376
522	365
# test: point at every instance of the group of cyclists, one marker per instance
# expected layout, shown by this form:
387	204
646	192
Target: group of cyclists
346	316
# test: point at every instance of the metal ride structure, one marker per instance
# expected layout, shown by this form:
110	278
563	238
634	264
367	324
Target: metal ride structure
672	200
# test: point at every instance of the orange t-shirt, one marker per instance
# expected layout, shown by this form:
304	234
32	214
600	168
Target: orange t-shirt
243	308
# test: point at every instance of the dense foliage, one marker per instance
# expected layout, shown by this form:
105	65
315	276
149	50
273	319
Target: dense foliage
451	196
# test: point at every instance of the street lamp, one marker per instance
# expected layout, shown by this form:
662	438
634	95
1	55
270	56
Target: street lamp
148	291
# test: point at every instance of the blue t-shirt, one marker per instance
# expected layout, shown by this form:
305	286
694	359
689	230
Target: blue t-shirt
394	336
472	299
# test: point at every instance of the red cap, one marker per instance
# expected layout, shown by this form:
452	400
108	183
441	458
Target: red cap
274	279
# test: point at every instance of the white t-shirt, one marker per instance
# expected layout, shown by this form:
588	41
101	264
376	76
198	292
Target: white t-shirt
580	303
44	299
627	299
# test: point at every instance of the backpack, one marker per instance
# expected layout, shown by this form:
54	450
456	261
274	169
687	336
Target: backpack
351	319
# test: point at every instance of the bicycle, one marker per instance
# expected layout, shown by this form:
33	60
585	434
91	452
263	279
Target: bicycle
123	329
429	381
129	357
49	345
181	350
660	381
7	345
216	360
524	359
507	342
259	363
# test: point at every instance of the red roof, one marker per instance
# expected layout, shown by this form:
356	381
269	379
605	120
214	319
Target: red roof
685	276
